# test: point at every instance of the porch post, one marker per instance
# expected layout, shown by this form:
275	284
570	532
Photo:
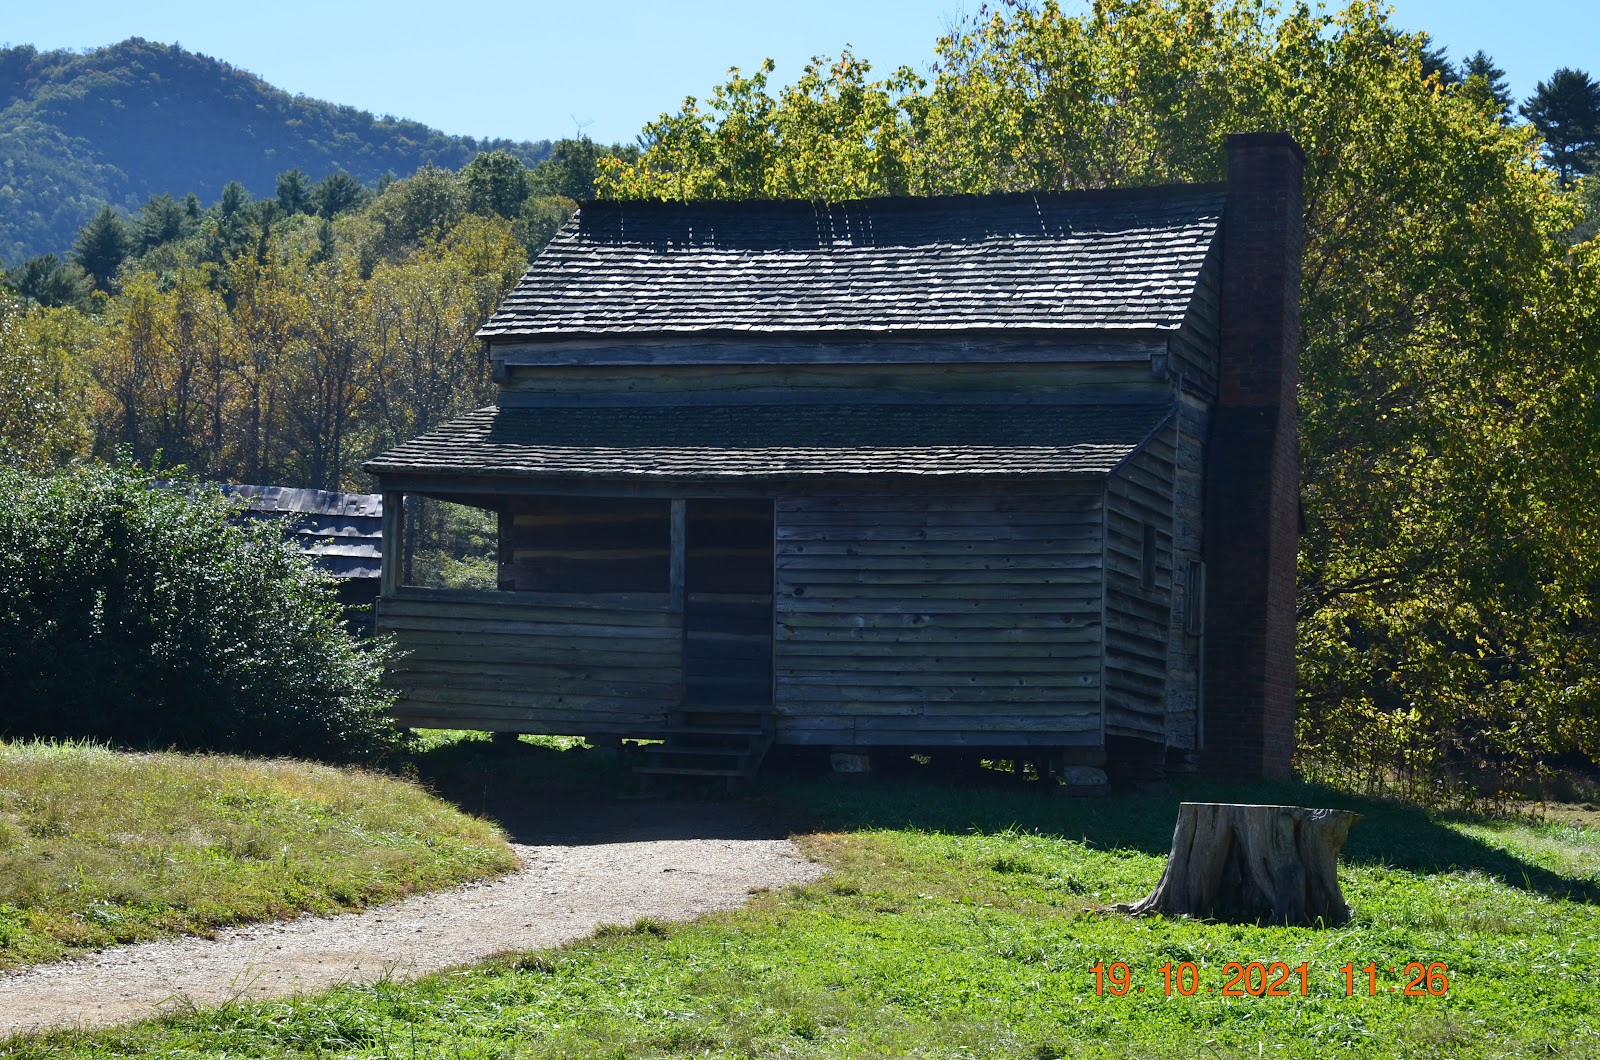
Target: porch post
680	525
394	514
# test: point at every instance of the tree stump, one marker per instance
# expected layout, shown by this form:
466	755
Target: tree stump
1252	864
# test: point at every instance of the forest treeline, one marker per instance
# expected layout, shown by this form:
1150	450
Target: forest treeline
1449	579
118	124
280	340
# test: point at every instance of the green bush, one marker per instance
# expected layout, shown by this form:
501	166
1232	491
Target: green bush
142	614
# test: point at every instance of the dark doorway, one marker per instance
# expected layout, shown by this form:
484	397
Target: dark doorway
727	607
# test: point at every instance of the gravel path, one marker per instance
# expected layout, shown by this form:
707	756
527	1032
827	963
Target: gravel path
611	865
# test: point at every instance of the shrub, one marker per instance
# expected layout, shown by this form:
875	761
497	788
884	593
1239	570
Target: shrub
144	615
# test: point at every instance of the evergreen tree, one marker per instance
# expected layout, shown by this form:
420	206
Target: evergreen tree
336	193
102	246
1436	63
161	220
48	281
235	197
294	191
1566	111
1487	82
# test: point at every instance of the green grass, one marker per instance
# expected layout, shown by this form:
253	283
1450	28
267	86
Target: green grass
963	921
100	847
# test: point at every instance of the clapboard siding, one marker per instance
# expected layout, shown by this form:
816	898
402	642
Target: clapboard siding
939	618
1138	588
534	662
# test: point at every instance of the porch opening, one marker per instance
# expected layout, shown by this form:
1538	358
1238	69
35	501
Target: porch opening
727	616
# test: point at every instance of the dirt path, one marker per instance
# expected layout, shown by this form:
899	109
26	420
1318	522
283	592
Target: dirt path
606	866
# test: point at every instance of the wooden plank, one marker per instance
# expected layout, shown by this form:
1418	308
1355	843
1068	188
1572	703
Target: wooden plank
1021	654
679	519
583	601
799	564
1065	533
535	630
1067	617
445	613
825	685
567	385
902	603
926	638
1101	349
596	705
393	534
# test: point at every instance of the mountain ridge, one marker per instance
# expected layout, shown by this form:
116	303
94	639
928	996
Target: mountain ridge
118	124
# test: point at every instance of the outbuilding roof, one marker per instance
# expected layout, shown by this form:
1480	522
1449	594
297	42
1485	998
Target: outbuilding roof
341	532
780	441
1113	260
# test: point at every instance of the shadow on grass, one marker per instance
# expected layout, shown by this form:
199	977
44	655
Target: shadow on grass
541	795
1390	834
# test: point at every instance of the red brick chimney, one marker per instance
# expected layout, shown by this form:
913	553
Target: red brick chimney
1252	467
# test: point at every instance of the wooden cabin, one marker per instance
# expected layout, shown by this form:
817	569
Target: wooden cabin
994	473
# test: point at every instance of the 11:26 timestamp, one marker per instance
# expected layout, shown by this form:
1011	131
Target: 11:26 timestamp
1278	979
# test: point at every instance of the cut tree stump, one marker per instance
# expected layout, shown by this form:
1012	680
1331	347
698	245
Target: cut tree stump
1242	863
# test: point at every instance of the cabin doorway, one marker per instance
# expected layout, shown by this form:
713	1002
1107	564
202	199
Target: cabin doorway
727	606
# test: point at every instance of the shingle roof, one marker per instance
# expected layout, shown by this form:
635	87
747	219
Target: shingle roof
1095	260
777	441
341	532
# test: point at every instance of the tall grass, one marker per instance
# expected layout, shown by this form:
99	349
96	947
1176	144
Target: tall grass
99	847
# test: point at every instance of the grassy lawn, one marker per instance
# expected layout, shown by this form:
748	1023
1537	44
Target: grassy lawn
99	847
963	921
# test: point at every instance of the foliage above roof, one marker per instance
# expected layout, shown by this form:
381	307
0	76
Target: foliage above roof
1125	260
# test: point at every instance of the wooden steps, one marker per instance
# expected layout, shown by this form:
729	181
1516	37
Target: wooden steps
711	741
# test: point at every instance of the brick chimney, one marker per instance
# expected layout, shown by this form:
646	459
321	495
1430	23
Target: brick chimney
1252	468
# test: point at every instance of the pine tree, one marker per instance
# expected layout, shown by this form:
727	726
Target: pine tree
1566	111
102	246
294	191
1487	82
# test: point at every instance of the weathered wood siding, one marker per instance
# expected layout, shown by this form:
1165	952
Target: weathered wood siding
1188	524
1138	597
940	616
1194	348
585	544
552	663
1129	378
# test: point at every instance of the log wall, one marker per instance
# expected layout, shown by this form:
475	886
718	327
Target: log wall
585	544
939	617
553	663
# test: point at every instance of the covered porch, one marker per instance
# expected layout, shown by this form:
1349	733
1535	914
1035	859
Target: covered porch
608	616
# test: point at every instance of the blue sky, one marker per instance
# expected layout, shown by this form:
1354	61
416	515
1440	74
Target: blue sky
535	69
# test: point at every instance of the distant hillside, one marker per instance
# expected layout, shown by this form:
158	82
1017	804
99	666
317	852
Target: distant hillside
136	119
